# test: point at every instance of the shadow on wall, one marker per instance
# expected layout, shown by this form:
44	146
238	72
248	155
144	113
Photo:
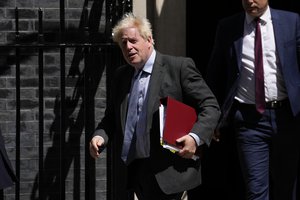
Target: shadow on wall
78	107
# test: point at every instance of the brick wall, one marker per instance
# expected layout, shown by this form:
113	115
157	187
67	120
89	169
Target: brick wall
75	132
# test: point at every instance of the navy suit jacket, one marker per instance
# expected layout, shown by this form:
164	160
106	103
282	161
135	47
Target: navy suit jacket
178	78
225	63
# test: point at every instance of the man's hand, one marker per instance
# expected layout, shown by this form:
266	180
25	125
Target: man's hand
216	135
189	146
96	143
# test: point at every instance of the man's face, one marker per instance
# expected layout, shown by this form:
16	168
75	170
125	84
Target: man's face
255	8
136	50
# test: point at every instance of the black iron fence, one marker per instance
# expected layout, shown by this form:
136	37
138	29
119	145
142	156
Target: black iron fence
73	69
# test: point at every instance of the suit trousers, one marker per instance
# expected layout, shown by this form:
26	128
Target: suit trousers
141	180
269	148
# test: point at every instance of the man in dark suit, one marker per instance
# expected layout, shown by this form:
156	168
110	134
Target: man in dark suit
267	137
7	176
155	172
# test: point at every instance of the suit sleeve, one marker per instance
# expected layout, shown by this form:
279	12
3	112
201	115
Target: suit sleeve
197	93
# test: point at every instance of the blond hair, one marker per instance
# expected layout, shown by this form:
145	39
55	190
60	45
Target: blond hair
129	20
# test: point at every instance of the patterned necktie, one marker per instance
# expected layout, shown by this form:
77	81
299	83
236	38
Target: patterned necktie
142	138
131	121
259	71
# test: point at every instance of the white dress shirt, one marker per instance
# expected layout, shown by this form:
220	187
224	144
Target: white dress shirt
274	83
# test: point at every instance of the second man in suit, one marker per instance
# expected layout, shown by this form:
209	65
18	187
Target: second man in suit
267	134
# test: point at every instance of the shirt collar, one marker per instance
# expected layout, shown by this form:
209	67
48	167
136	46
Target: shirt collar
264	18
149	64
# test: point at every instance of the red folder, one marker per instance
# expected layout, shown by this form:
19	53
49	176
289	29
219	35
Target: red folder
176	120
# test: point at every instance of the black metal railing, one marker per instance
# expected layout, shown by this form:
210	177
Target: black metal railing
98	53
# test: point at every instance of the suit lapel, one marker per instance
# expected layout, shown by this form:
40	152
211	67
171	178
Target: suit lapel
279	29
154	88
238	43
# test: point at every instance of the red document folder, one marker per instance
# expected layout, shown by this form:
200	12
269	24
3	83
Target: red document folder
176	120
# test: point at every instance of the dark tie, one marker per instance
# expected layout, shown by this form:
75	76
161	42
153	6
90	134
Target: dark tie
131	121
259	71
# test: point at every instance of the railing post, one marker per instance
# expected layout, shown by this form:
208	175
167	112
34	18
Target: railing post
41	104
18	107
